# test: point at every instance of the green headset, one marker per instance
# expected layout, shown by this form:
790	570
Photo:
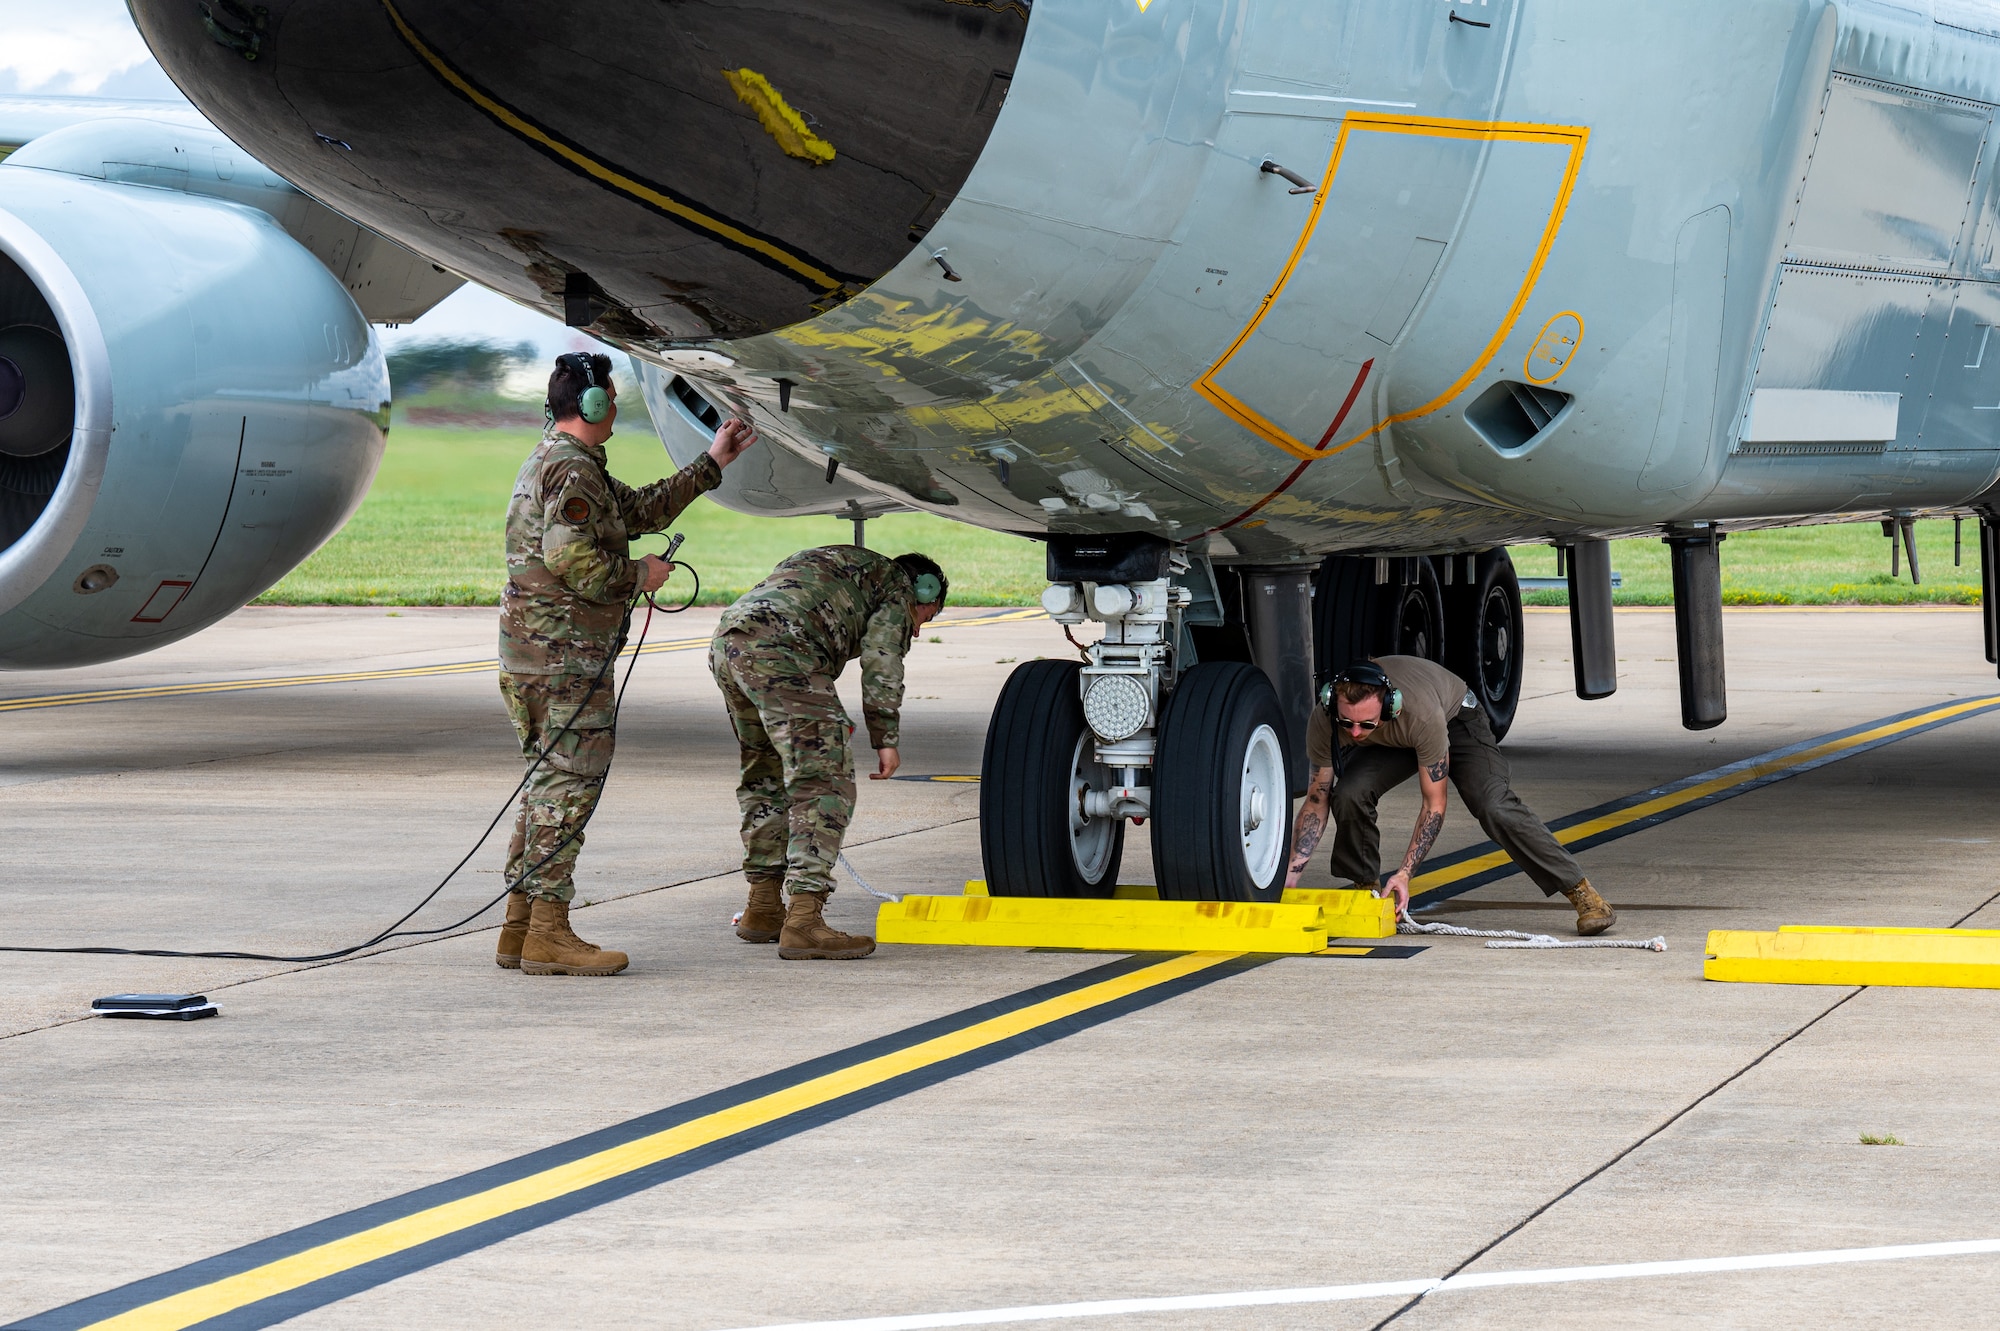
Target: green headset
593	403
1369	675
928	588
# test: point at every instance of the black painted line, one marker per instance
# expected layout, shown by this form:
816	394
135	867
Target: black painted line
111	1303
1508	870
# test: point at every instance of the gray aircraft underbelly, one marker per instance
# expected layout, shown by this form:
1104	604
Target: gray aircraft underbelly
1579	270
1554	268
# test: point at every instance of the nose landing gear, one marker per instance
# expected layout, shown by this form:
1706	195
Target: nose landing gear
1137	733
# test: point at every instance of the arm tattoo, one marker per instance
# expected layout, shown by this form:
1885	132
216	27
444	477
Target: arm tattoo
1437	770
1312	825
1428	826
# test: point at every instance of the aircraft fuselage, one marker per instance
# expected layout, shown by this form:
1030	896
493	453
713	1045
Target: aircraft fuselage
1555	269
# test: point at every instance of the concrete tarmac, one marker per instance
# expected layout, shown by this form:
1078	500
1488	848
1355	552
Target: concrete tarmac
1309	1122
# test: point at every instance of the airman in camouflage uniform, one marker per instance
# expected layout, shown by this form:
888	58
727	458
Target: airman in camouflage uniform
570	583
776	654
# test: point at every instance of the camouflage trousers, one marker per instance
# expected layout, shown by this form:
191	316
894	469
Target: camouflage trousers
796	789
563	789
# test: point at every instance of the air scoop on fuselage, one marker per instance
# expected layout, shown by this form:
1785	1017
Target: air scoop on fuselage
657	172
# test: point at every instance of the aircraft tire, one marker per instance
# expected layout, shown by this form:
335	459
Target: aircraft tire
1355	618
1483	629
1222	828
1037	749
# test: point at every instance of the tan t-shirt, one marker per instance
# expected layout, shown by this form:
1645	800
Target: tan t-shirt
1432	696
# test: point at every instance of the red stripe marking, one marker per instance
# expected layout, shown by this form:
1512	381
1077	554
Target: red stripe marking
1338	418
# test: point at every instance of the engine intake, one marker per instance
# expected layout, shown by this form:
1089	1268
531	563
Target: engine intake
250	396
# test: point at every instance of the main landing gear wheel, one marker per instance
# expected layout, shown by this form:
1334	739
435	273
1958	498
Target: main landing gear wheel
1354	617
1483	629
1040	759
1222	826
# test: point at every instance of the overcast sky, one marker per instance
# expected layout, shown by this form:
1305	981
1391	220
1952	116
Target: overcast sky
89	48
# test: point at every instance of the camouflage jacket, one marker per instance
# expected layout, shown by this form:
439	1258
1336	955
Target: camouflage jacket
822	608
569	574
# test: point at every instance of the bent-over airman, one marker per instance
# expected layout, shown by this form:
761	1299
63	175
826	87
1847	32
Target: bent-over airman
776	655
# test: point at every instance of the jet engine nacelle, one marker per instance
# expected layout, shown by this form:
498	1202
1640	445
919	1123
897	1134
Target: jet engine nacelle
190	404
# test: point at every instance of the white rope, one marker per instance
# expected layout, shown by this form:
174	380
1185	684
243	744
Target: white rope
852	873
737	918
1535	942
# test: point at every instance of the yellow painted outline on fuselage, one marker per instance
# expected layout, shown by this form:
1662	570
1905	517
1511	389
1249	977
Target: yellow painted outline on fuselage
1575	137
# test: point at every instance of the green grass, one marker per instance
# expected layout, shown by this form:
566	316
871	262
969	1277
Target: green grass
429	534
1836	565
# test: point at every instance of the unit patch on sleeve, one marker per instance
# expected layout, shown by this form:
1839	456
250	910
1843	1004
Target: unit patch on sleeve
576	510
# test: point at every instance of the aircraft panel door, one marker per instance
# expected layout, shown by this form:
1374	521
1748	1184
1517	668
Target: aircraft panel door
1890	180
1962	411
1386	227
1487	283
258	531
1368	50
1686	428
1851	332
161	536
1387	201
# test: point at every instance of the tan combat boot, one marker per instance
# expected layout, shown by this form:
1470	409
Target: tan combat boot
807	937
764	917
1593	913
551	948
512	932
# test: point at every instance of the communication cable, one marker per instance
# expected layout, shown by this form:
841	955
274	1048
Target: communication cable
395	930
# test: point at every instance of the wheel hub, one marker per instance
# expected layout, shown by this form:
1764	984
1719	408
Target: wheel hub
1263	771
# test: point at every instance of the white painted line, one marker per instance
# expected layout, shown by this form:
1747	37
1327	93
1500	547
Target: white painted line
1559	1275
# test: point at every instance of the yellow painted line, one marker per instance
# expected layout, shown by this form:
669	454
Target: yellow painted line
611	176
1437	878
290	681
1003	617
401	672
1574	137
344	1254
1791	608
1904	958
1103	924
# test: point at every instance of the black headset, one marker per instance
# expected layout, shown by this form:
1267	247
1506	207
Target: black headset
593	403
1368	675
